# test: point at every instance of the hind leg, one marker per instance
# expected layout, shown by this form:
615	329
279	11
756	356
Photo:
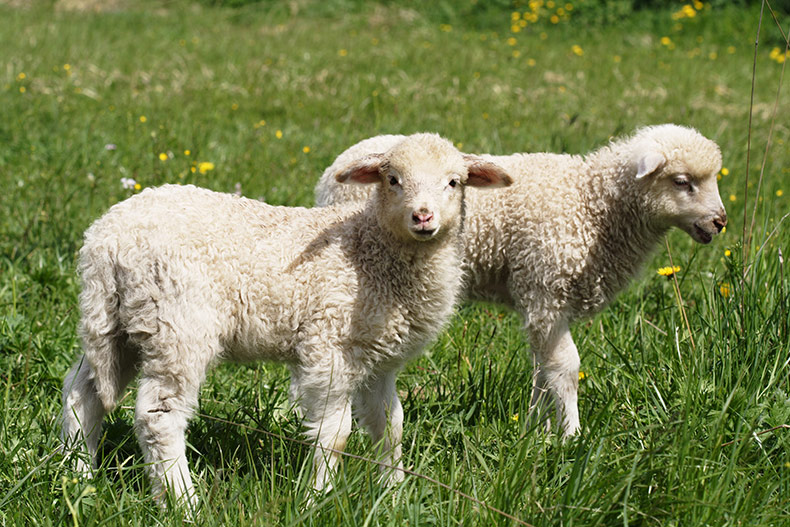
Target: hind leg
167	397
83	409
83	412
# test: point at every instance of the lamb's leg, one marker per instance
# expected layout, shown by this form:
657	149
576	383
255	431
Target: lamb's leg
82	415
326	402
378	409
558	377
83	409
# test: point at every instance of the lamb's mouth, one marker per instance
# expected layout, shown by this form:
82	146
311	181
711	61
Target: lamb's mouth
703	236
423	233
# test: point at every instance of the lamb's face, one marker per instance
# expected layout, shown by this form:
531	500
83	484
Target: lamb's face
421	193
421	185
679	168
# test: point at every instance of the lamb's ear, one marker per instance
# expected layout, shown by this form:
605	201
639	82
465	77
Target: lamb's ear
363	170
648	163
484	173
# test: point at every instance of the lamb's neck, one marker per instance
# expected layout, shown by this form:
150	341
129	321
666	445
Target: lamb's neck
624	236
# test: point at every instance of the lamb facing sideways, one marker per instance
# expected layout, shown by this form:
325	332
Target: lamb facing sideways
177	278
571	233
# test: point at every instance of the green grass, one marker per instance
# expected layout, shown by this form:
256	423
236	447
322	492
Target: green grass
673	433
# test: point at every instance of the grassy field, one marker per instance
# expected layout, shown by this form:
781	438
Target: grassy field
679	428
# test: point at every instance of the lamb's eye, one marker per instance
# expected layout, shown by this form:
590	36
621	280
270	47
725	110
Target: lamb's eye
453	183
393	180
682	182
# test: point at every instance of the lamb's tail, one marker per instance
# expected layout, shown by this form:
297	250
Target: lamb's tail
100	327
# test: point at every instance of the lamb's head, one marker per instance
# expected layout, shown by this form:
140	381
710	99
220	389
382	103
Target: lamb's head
421	183
676	167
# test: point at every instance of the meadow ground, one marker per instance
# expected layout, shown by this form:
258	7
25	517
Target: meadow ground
682	423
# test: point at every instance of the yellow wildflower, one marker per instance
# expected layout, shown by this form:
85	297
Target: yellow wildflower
582	375
342	52
143	118
187	152
511	41
162	157
554	19
278	134
22	89
725	171
67	67
668	271
617	58
446	28
779	193
306	149
531	62
732	197
514	418
577	50
137	186
205	166
725	289
666	41
727	253
22	76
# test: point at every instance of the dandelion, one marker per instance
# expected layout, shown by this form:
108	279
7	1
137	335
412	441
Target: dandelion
342	52
531	62
727	253
143	119
67	67
730	49
725	289
22	89
666	41
22	76
732	197
511	41
516	53
617	58
187	152
162	157
205	166
577	50
306	149
582	375
668	271
514	418
554	19
278	134
128	183
779	193
515	28
725	171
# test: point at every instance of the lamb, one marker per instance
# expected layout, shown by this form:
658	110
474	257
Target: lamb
571	233
178	278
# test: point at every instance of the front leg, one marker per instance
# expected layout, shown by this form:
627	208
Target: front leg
557	377
378	409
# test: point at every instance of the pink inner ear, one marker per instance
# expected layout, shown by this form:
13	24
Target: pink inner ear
486	174
361	171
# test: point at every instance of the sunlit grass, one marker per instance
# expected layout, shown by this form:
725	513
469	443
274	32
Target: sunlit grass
97	106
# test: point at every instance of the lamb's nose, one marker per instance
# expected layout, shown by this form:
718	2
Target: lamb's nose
720	221
419	217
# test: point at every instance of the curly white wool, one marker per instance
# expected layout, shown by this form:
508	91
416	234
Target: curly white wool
177	278
572	232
